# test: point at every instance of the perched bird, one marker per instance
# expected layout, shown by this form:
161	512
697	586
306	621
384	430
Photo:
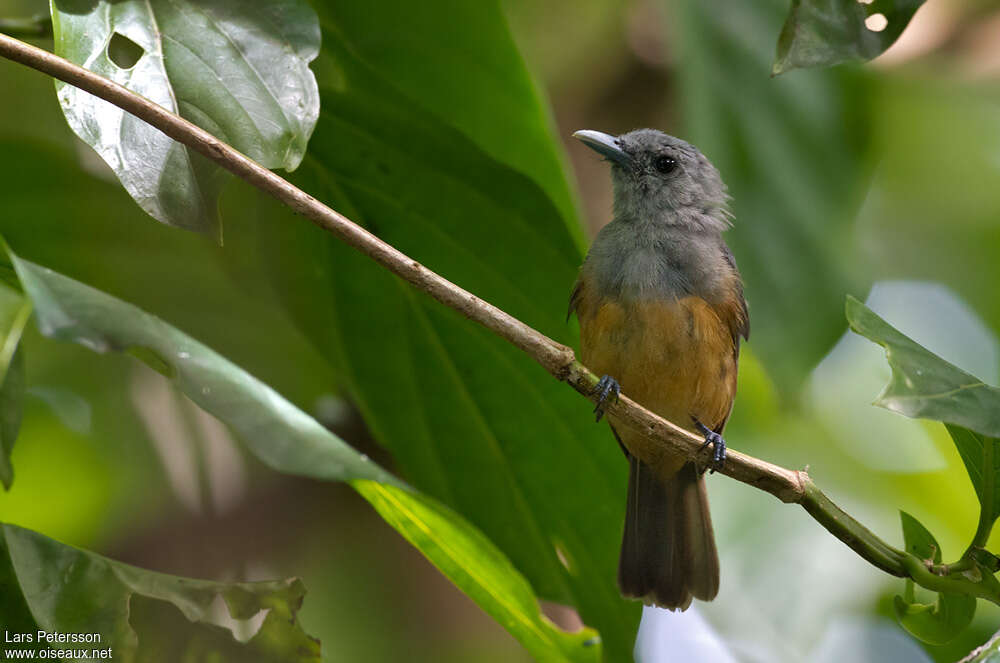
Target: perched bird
661	311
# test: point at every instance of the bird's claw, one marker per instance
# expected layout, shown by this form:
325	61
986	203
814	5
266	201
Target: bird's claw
605	387
717	443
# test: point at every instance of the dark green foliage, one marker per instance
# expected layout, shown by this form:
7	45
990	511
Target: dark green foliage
142	615
286	439
508	447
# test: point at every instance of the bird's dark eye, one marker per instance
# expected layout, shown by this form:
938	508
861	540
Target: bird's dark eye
664	164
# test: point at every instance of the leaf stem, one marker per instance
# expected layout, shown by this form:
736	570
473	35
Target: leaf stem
917	570
857	537
789	486
963	564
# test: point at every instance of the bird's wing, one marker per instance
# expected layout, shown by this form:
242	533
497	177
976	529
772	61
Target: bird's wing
574	298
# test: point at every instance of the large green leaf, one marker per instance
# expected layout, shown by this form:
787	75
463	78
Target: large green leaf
237	69
458	61
468	418
792	151
937	622
924	385
286	439
142	615
828	32
473	563
282	436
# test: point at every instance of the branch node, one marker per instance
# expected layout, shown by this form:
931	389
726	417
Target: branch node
801	480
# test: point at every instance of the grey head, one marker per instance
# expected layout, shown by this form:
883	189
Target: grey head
660	179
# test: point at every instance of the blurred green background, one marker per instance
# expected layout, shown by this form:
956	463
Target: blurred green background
884	174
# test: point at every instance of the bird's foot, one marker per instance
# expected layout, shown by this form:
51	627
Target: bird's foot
718	445
606	387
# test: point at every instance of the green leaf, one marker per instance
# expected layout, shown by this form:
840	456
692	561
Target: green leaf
458	62
288	440
282	436
15	310
468	418
793	233
822	33
236	69
144	615
918	540
941	621
488	576
924	385
15	610
981	456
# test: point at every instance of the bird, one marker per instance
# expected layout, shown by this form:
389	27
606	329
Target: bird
661	309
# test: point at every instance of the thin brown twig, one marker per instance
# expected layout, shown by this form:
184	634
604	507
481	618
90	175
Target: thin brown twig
789	486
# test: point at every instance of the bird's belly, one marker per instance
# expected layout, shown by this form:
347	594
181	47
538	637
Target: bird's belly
675	357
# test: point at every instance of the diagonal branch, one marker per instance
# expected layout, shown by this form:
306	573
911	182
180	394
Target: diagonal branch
789	486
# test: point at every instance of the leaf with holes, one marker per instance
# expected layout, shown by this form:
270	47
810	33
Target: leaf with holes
821	33
286	439
937	622
239	70
144	615
924	385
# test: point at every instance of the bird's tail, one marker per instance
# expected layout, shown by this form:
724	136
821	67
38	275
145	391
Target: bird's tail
668	549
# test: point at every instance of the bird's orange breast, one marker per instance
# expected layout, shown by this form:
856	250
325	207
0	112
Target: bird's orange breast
674	356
